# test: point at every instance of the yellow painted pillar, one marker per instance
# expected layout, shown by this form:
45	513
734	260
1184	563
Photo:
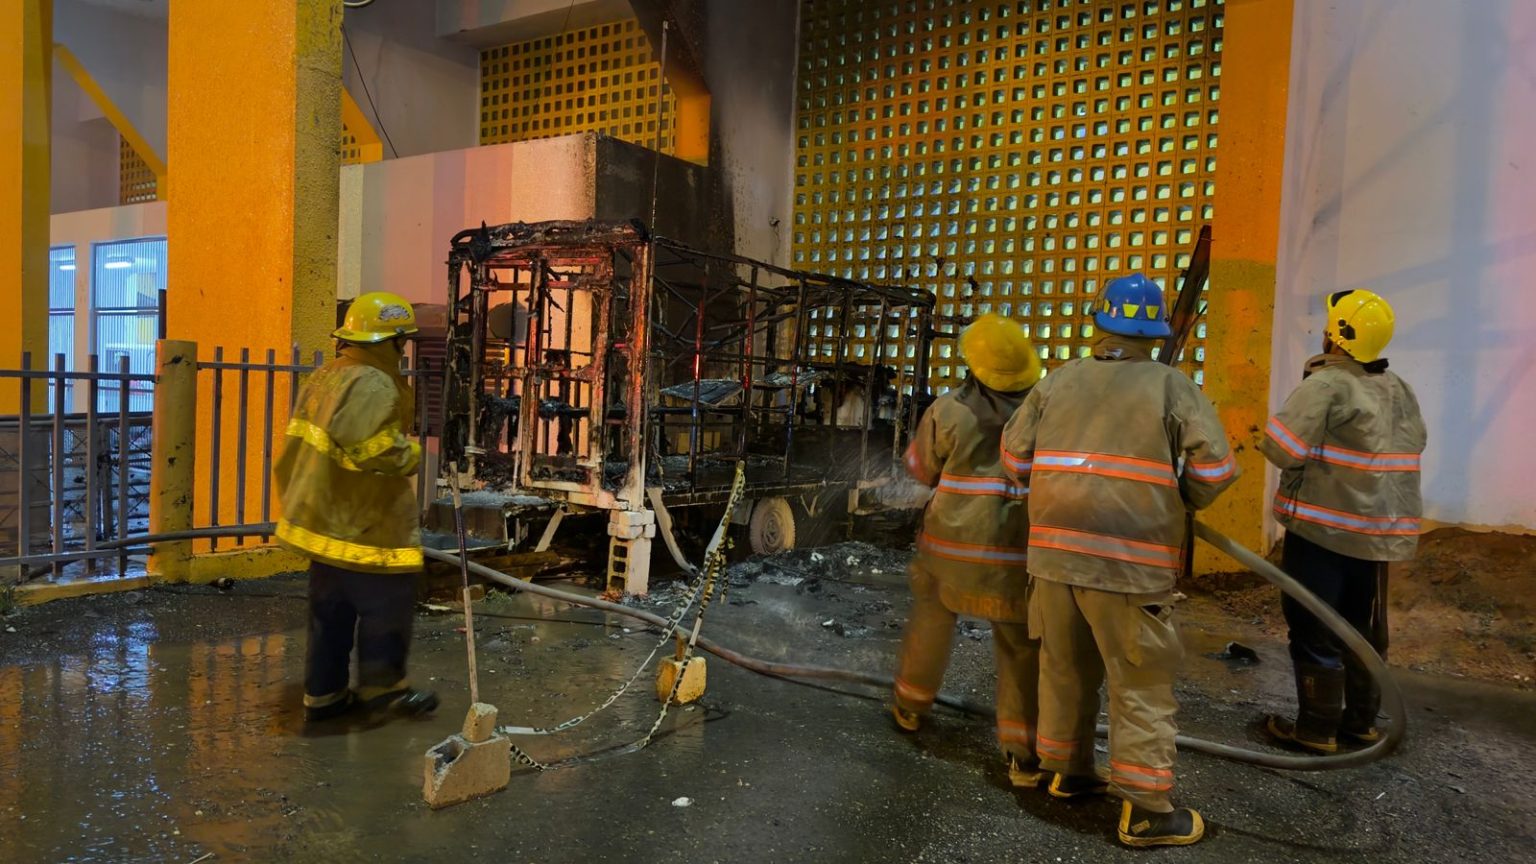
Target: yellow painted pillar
173	457
26	94
252	132
1250	158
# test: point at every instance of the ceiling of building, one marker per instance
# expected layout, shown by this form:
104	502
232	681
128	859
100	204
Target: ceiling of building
142	8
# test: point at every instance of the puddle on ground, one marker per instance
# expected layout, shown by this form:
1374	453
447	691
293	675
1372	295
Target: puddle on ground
131	746
168	727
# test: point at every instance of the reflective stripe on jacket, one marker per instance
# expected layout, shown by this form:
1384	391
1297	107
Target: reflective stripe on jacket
976	524
1115	447
1347	443
344	473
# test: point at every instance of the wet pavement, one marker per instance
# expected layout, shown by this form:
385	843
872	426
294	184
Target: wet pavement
164	725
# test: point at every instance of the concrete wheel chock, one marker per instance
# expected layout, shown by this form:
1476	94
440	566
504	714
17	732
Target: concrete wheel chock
474	763
693	673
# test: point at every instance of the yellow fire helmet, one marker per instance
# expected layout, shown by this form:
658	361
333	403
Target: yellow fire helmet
1360	323
1000	354
375	317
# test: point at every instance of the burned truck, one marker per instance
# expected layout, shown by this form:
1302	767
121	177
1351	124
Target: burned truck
596	370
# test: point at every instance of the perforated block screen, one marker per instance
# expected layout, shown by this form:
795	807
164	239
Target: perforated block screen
136	183
351	148
601	79
1009	157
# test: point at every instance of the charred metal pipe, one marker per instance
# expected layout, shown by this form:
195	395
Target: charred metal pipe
1392	697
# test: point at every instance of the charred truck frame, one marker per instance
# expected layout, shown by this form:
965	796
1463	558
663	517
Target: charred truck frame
595	368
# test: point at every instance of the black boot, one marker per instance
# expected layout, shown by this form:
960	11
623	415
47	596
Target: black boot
1319	709
332	710
1079	785
1362	695
407	702
1140	827
1023	773
1362	702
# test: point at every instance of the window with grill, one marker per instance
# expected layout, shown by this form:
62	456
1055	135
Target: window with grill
61	317
127	278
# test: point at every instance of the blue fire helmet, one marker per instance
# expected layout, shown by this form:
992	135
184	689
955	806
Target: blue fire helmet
1132	306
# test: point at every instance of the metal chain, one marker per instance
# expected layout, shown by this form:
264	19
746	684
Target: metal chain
667	633
714	563
703	589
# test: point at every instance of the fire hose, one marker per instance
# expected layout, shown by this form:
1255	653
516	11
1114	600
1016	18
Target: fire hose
1392	697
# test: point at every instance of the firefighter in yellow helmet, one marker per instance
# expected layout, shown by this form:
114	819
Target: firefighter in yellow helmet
1116	447
971	549
344	478
1347	443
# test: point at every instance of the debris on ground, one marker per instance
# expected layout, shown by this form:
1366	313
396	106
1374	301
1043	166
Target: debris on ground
192	702
1238	653
1466	605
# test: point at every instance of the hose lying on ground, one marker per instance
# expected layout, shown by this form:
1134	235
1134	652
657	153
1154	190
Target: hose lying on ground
1392	697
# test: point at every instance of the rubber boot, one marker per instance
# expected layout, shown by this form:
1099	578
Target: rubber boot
1079	785
906	721
1362	702
408	702
329	712
1022	773
1319	709
1140	827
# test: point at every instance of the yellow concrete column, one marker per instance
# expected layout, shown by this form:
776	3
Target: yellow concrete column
1250	158
252	131
174	450
26	94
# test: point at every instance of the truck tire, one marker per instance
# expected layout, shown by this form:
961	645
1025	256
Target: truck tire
772	527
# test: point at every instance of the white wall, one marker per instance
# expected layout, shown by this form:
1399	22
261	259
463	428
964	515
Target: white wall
84	150
398	216
1410	170
426	89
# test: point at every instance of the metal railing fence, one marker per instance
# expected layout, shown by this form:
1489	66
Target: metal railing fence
73	486
245	435
76	487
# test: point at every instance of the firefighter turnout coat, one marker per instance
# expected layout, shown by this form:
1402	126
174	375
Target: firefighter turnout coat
344	473
972	541
1113	448
1347	443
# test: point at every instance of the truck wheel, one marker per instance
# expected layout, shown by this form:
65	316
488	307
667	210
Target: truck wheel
772	527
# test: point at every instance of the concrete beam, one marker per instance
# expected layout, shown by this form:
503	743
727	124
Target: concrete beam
1246	236
679	27
370	147
484	23
26	98
255	96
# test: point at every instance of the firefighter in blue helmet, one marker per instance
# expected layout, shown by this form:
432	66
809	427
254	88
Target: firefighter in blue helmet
1116	448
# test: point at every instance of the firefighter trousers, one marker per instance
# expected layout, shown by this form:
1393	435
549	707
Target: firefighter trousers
925	649
1356	589
371	611
1086	636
